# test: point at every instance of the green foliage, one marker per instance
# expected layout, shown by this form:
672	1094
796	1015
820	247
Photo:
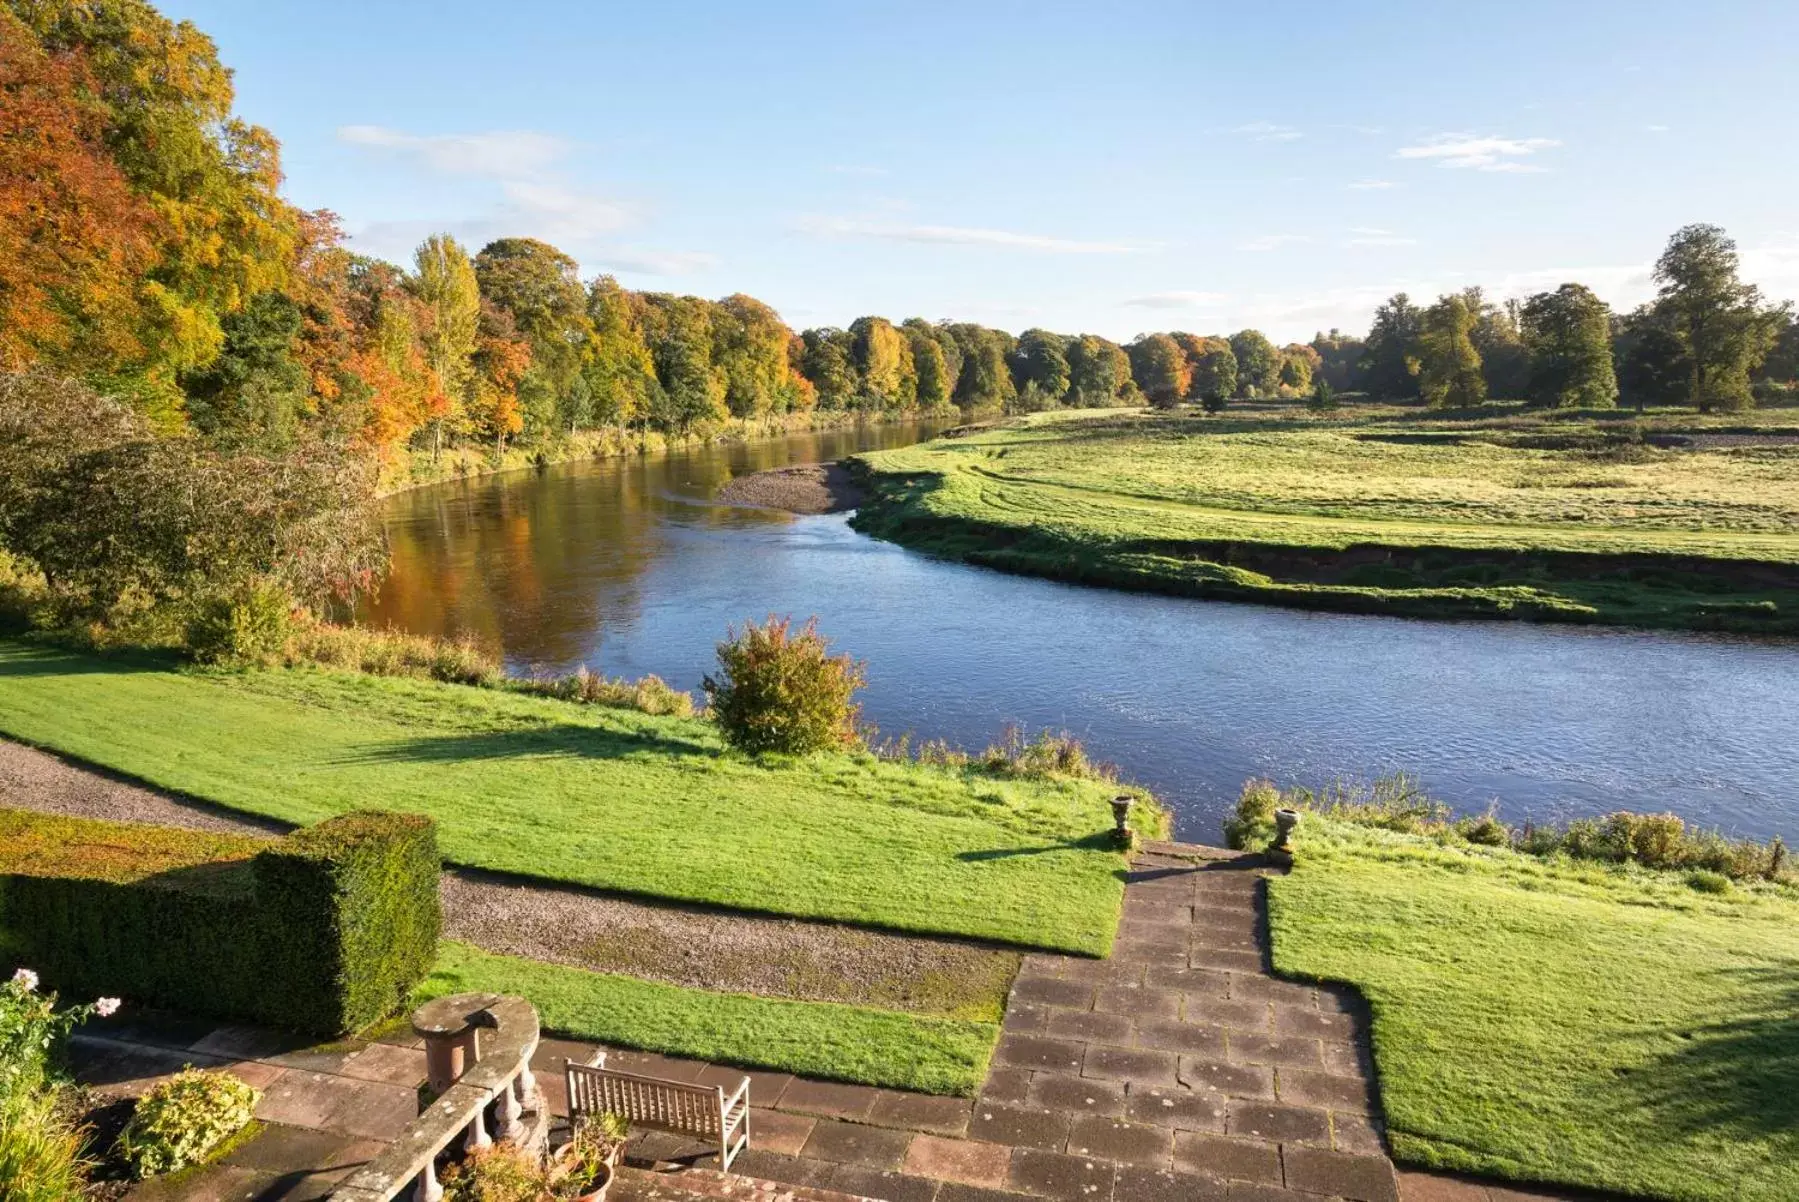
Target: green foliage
1042	360
1568	333
254	393
323	931
782	690
1323	398
984	380
648	695
1707	881
497	1173
1258	363
1214	403
1449	375
1650	360
40	1149
183	1120
816	1039
595	796
827	360
934	380
391	653
250	627
1721	322
1391	348
1099	371
883	359
1555	1022
33	1034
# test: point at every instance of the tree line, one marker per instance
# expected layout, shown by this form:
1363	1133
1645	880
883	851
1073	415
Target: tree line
145	249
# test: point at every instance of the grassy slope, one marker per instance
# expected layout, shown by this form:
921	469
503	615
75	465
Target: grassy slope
600	797
1352	514
1568	1025
816	1039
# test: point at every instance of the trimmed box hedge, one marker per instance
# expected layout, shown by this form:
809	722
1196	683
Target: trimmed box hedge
325	931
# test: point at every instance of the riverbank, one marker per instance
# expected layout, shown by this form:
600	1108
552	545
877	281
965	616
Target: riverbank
809	489
1503	515
420	468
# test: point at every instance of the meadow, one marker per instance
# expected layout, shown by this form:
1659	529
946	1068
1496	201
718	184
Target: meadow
1673	520
1653	1051
595	796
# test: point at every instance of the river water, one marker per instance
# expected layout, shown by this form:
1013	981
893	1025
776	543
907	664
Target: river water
629	567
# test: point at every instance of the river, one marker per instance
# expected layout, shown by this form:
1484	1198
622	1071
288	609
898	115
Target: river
629	567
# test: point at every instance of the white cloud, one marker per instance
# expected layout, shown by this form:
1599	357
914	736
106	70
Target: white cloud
1365	235
1656	129
857	169
957	235
1273	241
1479	153
653	262
503	154
1371	185
1268	131
1178	299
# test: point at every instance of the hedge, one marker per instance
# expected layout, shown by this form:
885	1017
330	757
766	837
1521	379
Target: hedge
324	931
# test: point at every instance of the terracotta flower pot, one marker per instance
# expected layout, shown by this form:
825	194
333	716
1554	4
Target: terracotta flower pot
596	1190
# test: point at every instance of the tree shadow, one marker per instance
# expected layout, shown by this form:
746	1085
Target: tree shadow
579	742
1738	1073
20	658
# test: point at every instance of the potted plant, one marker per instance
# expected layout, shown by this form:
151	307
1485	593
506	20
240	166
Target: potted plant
584	1167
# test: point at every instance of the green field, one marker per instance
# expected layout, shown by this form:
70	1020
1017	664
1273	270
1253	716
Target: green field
814	1039
1506	515
603	797
1578	1025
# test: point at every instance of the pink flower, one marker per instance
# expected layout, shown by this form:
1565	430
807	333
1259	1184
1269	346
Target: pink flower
106	1007
25	977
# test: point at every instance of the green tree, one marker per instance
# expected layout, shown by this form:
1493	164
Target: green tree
828	361
1504	359
1339	357
1650	362
946	343
1258	363
1042	360
539	287
985	381
1449	373
1390	354
444	282
934	380
1569	335
1720	321
1098	372
1160	369
678	331
1297	364
621	373
883	359
254	392
1782	363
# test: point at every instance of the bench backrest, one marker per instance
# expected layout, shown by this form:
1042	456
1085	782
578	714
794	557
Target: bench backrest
647	1101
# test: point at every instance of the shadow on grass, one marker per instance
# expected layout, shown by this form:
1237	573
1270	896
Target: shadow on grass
1098	841
582	742
19	657
1739	1073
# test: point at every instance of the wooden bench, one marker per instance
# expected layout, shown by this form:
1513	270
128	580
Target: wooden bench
702	1111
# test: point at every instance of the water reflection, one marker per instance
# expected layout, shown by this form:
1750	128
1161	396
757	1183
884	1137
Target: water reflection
629	568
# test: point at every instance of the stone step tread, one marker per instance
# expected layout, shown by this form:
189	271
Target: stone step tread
642	1185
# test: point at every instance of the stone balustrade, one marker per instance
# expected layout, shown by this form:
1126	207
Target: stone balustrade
478	1050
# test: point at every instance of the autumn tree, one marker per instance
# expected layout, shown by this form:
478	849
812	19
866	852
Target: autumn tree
1298	362
450	301
1721	322
620	370
1099	371
74	238
935	382
1390	354
1449	375
1339	356
539	288
938	332
985	379
1160	369
883	359
1258	363
1569	335
750	348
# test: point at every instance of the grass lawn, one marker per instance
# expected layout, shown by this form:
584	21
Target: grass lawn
601	797
816	1039
1383	510
1577	1025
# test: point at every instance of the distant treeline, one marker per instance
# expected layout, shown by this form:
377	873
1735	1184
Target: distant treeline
145	249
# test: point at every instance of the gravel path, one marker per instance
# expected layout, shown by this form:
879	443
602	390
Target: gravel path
693	946
811	488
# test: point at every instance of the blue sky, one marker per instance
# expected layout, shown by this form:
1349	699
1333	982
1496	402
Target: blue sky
1109	168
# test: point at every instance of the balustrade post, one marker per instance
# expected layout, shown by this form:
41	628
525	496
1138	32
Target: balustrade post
478	1137
428	1189
525	1086
506	1112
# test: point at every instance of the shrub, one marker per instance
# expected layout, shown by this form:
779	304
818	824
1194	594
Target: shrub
1709	882
1252	823
781	690
1213	402
650	695
184	1119
247	626
324	931
391	653
497	1173
33	1030
1486	831
40	1149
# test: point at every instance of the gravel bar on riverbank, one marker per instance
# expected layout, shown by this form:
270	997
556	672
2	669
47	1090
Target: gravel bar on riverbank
717	950
809	488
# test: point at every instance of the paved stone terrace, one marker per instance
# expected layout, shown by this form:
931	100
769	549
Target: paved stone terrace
1179	1070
